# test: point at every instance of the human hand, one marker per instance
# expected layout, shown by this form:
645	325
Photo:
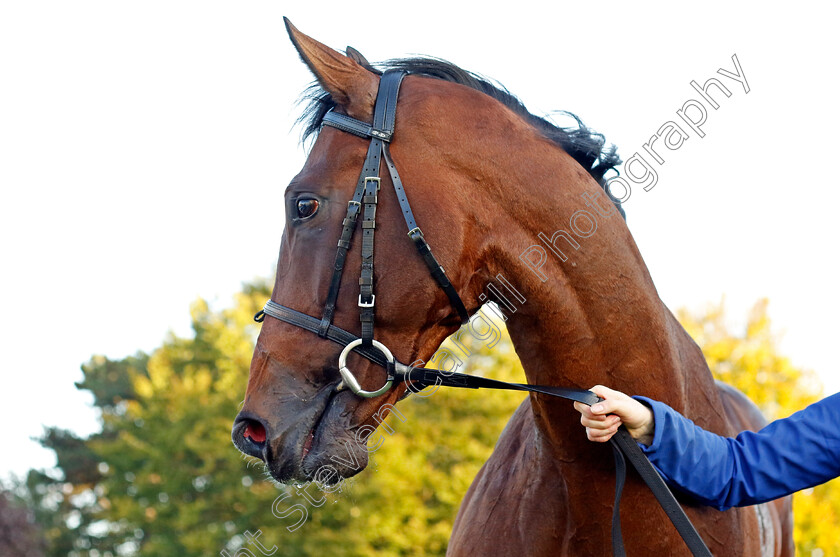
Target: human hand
603	419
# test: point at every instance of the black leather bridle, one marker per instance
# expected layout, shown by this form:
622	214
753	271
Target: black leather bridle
364	201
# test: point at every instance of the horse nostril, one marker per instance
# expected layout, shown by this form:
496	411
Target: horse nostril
249	436
255	432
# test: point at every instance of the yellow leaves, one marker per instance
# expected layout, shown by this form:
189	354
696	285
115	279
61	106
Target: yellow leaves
199	310
200	381
751	362
816	515
758	323
143	387
160	371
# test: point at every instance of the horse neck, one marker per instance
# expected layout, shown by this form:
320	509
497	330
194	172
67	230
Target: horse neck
595	318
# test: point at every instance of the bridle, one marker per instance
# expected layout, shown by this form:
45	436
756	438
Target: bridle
364	201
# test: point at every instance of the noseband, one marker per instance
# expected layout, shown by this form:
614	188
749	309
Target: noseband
365	200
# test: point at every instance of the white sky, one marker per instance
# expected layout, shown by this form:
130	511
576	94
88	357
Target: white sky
145	146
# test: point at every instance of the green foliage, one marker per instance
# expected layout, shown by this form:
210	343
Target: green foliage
162	477
751	362
173	483
110	381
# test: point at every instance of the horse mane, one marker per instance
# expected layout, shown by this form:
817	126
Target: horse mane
581	143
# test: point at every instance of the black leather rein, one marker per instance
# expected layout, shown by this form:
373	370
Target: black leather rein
365	200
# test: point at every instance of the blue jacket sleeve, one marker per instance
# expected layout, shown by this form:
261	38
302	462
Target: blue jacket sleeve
790	454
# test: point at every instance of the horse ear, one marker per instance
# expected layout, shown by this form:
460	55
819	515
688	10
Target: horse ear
351	86
358	57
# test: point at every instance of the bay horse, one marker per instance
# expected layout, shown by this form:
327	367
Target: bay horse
486	180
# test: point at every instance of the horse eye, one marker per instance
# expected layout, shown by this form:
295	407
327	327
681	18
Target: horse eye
306	208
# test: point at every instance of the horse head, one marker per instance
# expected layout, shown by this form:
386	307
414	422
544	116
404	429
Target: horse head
295	416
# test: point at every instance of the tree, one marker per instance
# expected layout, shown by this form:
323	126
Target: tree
162	478
19	535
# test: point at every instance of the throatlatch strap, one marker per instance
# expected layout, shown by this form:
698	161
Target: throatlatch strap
416	235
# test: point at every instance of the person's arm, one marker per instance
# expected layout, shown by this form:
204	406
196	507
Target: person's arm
788	455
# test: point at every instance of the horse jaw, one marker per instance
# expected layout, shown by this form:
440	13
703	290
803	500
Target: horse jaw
351	86
310	431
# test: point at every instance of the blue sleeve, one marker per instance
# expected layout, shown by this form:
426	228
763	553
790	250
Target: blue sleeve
790	454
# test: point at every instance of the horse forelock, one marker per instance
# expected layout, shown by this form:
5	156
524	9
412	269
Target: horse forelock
584	145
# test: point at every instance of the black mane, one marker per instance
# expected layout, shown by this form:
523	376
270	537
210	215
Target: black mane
582	144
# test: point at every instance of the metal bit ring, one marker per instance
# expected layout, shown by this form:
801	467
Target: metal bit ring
349	379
